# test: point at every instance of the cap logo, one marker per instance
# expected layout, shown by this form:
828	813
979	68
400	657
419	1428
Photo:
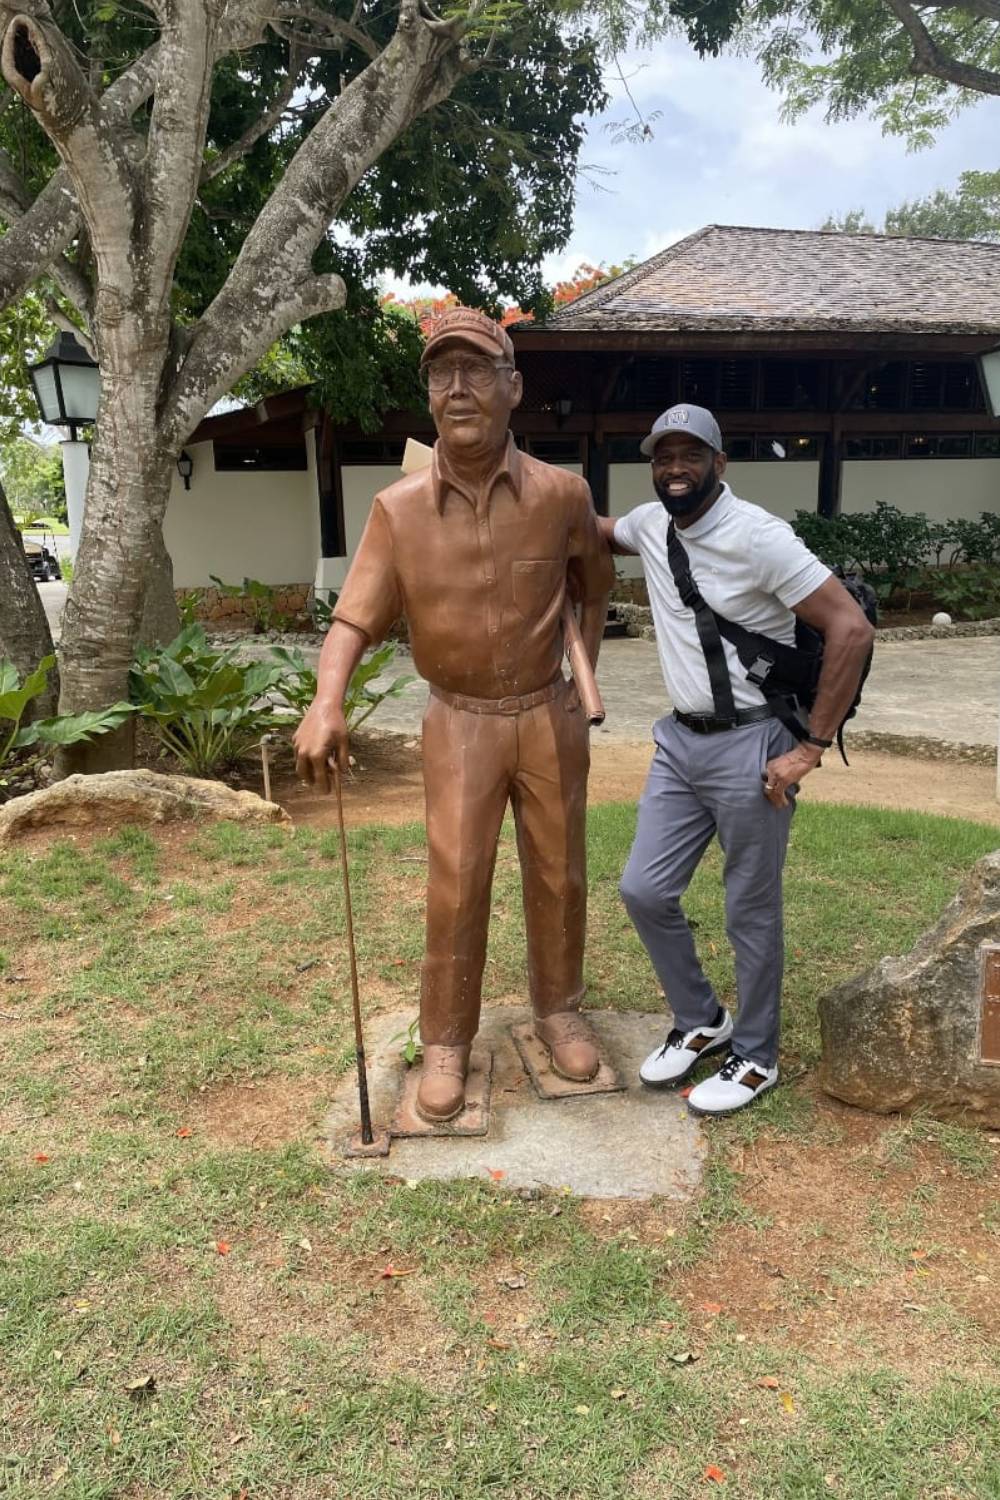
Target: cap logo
678	415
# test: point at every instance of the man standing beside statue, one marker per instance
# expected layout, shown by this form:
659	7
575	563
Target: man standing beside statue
478	551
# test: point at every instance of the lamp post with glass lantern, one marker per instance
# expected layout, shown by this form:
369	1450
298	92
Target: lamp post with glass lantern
67	385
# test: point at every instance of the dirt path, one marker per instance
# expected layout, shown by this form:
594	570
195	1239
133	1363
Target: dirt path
387	785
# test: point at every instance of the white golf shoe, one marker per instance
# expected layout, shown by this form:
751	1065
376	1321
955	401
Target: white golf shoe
736	1084
681	1053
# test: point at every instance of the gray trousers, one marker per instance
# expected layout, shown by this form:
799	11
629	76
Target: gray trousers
700	785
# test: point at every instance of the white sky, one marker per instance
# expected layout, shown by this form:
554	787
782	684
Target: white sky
720	154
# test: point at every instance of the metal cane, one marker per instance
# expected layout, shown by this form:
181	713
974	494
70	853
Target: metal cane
368	1144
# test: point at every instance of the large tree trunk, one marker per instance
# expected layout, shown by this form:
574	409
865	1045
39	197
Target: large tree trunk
121	549
25	636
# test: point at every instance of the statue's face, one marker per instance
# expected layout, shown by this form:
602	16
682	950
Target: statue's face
471	398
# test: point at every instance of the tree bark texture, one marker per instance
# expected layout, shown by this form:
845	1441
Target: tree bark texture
25	637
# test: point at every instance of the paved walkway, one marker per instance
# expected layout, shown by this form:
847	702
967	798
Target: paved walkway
940	690
935	689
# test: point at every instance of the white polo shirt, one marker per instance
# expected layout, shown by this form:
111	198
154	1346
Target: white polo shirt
748	565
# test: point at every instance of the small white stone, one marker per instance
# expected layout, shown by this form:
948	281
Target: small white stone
941	618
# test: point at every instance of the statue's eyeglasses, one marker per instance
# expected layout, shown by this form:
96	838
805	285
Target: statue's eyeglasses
438	374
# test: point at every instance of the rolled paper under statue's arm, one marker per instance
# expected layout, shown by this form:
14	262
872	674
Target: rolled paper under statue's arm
579	664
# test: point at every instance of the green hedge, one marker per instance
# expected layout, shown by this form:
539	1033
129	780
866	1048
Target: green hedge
956	562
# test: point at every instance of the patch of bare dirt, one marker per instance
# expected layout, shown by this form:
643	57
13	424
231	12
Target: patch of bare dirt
260	1113
387	785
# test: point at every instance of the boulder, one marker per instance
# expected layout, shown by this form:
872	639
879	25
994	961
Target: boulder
909	1033
133	797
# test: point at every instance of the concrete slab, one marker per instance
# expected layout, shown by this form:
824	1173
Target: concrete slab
633	1144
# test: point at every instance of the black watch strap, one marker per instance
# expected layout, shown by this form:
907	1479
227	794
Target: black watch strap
814	739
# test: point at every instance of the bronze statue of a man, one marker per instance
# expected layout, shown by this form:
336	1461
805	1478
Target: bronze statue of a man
477	551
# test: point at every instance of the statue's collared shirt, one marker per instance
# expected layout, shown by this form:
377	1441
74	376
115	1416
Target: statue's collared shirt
480	575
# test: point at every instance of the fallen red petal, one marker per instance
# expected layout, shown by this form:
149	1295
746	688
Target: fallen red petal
714	1473
222	1246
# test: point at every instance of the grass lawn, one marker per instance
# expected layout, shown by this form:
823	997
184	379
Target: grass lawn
192	1304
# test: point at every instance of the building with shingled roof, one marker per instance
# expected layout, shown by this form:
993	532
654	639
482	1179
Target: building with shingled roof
843	370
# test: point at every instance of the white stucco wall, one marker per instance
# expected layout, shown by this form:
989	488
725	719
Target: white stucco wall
251	524
942	488
781	488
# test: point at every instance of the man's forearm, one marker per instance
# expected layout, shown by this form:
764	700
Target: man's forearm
342	650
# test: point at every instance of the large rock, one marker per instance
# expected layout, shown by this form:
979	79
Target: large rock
906	1034
133	797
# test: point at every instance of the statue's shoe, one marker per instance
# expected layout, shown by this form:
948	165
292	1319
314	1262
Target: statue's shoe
572	1045
441	1095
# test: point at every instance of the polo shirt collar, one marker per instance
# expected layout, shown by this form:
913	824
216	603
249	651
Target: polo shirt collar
443	478
712	516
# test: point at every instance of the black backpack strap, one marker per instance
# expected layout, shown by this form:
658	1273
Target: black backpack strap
760	656
708	629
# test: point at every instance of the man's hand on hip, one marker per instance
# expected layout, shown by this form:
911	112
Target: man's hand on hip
788	770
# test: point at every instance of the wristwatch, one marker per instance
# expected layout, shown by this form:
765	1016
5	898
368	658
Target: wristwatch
814	739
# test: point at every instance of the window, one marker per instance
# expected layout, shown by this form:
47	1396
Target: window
936	385
554	450
798	447
272	459
890	446
883	389
792	384
374	451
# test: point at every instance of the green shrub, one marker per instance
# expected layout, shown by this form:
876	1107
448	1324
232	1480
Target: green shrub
298	683
64	729
201	704
970	593
897	552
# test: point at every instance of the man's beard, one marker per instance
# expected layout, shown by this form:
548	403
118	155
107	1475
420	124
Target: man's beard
683	505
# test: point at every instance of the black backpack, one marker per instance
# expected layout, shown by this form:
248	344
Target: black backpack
786	675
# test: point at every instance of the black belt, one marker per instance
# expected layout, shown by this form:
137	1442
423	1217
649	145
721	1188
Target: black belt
709	724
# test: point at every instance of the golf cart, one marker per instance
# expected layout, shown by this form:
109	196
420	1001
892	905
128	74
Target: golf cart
38	537
43	561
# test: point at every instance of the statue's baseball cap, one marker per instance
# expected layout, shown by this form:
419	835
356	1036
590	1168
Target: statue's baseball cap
682	418
464	325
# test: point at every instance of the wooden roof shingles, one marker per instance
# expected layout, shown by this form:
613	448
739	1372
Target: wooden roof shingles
796	280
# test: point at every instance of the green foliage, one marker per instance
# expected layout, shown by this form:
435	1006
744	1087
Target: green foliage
261	599
971	593
853	56
25	333
201	704
64	729
208	708
298	685
32	477
972	212
904	552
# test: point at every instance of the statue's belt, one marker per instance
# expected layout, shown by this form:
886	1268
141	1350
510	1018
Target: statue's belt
515	705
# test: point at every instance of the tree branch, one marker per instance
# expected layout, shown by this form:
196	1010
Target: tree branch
53	220
978	10
419	67
264	124
930	62
322	29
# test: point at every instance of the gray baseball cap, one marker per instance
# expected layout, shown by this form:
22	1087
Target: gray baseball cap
694	419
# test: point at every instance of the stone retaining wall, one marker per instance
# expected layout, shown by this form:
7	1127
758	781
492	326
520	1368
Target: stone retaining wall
292	599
